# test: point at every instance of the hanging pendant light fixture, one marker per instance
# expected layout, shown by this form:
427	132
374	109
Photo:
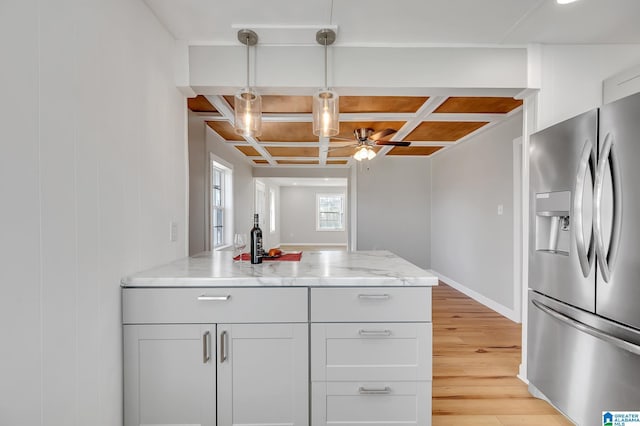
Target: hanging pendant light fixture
247	101
325	101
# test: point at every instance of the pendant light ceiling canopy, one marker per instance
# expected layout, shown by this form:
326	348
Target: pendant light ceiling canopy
247	101
325	101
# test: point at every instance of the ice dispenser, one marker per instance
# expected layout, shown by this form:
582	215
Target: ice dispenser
553	222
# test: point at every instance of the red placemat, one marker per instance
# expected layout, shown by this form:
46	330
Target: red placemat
291	257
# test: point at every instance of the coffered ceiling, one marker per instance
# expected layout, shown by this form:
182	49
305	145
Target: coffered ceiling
429	123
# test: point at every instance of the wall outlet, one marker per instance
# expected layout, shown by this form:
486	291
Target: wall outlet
500	209
173	231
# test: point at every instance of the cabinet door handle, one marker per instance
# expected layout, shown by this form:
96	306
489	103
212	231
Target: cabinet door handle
371	333
206	344
223	346
374	296
374	391
218	298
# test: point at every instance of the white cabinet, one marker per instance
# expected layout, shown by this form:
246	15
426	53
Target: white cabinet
371	403
371	351
246	356
169	375
263	374
249	344
366	372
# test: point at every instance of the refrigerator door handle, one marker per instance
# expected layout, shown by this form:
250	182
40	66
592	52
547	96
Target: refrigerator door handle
621	343
607	260
587	164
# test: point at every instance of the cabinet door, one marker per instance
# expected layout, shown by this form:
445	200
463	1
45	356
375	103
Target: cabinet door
169	375
263	376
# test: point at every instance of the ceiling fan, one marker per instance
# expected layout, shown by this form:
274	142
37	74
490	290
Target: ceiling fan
366	140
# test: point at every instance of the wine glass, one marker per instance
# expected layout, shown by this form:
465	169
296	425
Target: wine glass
239	244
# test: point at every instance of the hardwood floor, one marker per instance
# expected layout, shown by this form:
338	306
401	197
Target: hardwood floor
476	355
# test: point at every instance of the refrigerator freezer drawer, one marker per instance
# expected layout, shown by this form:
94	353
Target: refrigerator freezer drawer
580	368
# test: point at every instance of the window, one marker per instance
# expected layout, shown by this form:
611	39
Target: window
272	211
221	204
330	212
260	202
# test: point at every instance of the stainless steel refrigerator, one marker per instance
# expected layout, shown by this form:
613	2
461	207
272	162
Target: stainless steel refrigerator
584	263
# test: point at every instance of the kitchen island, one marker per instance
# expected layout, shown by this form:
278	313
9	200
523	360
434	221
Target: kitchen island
337	338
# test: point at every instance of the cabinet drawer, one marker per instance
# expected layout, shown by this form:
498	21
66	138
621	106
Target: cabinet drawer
214	305
378	304
371	403
371	351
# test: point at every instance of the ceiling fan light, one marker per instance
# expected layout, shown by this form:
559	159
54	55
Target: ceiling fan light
361	153
370	154
326	115
248	112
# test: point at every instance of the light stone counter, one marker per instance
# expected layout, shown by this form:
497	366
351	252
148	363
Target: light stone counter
316	269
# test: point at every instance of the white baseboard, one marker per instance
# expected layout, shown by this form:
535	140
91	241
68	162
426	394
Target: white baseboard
522	374
491	304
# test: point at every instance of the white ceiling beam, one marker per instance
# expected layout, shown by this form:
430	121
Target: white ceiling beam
424	111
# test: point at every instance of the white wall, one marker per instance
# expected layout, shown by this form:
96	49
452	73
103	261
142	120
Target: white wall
202	141
92	157
572	76
298	216
470	243
394	207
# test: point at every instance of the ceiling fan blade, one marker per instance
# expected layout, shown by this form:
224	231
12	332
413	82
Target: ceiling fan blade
393	143
341	138
336	148
382	134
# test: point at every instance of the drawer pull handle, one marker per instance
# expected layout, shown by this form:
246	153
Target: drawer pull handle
205	347
374	296
219	298
371	333
374	391
223	347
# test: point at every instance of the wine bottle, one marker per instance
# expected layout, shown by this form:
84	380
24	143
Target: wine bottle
256	241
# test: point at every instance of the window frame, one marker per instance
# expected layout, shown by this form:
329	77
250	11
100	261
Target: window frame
342	197
218	165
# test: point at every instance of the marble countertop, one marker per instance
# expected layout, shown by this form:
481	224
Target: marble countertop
315	269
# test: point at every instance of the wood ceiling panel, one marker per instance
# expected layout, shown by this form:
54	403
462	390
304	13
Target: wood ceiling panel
225	130
261	161
278	151
249	151
281	104
374	104
443	130
346	151
414	150
337	162
287	132
298	162
478	105
347	127
200	104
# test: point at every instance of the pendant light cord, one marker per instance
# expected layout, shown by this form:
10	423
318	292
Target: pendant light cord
325	62
247	43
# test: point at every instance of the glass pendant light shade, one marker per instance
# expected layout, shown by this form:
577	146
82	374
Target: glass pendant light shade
325	113
248	112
